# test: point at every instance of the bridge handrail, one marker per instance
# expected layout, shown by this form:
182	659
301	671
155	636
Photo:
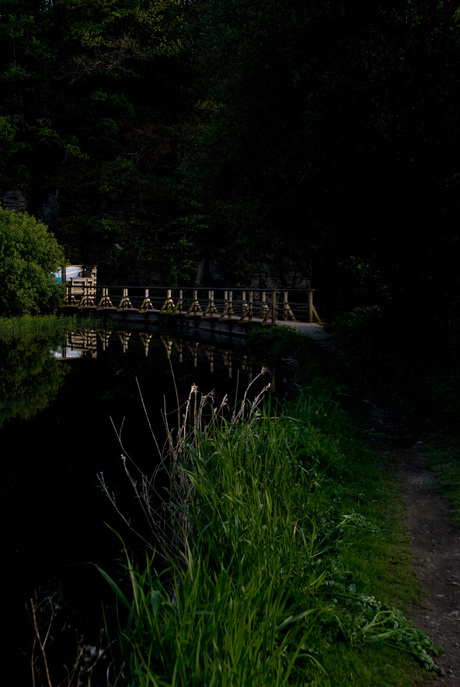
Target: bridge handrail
267	305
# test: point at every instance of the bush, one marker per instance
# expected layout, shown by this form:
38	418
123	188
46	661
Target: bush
29	256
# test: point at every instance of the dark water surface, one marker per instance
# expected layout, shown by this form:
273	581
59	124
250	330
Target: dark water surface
54	515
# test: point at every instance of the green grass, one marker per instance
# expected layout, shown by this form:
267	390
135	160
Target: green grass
443	455
287	563
41	326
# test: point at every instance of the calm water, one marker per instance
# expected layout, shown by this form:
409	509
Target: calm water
56	415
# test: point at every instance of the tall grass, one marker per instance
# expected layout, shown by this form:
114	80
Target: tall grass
40	326
260	585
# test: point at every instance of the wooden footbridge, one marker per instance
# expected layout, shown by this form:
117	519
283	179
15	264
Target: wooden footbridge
265	306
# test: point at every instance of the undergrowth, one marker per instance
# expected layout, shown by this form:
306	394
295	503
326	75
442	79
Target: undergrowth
415	366
275	557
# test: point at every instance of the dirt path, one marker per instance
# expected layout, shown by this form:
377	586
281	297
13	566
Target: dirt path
435	542
436	552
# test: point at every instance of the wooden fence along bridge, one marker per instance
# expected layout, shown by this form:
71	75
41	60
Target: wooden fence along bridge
265	306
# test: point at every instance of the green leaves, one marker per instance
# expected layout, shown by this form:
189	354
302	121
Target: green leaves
29	256
84	87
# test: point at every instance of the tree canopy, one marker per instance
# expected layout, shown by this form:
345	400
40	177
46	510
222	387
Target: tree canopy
330	133
29	256
292	134
84	88
235	142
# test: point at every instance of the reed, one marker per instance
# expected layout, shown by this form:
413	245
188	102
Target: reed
248	577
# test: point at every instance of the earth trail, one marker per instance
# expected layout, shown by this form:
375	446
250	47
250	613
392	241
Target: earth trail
435	545
435	542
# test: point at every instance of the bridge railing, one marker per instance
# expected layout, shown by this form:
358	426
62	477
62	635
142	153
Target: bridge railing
265	305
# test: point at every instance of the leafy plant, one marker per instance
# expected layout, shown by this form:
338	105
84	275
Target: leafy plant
29	256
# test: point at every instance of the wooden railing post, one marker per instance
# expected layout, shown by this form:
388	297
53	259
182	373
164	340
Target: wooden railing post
105	301
87	298
180	302
125	303
69	298
247	306
228	306
244	306
265	308
274	306
195	307
311	309
287	312
310	306
169	303
146	303
211	307
270	313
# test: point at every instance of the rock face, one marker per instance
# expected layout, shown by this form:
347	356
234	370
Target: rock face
268	277
220	270
14	200
17	200
263	276
50	208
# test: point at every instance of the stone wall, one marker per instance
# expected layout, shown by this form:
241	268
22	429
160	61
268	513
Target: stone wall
14	200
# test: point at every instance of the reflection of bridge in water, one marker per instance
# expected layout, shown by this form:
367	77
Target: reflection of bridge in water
213	357
219	305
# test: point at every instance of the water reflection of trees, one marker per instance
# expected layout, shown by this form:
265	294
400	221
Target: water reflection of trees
30	378
30	375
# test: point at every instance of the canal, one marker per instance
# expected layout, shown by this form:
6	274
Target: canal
61	407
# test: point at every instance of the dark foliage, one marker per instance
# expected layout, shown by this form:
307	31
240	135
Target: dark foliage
313	138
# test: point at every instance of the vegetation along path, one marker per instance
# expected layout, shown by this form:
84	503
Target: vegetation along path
428	517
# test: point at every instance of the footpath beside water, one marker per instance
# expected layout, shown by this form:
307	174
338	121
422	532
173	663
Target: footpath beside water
434	540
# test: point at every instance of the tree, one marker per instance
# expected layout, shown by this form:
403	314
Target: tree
29	257
327	133
91	99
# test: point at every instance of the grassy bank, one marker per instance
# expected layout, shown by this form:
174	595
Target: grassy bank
415	366
41	326
278	557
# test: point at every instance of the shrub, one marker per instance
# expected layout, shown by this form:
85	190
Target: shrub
29	256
